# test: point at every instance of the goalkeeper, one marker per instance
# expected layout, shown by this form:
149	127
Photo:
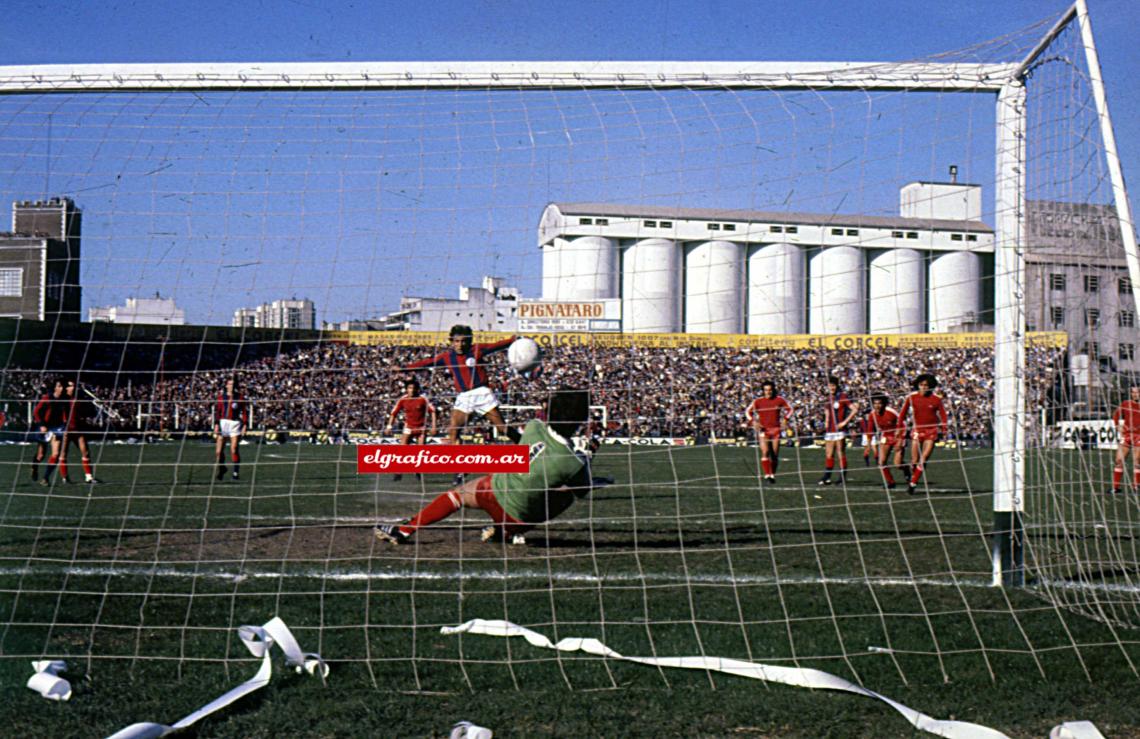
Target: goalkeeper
517	502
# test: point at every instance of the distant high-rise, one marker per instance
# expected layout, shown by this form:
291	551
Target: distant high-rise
292	313
39	261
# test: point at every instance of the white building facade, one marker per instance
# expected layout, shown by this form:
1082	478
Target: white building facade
292	313
156	311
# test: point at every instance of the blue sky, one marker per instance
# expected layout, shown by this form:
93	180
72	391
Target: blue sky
352	202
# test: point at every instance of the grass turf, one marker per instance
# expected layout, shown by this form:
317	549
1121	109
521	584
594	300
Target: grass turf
140	584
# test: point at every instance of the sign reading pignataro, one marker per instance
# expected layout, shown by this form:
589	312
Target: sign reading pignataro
442	458
573	315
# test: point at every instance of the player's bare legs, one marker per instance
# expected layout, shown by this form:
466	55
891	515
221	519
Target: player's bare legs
219	448
920	451
85	458
471	494
1118	467
882	459
769	457
831	450
53	460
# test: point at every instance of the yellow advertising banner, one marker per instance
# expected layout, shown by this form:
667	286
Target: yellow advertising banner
838	342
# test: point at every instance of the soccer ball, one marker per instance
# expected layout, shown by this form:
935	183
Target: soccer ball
524	355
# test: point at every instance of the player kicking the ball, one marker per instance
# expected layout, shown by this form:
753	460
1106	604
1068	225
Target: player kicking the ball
1127	420
517	502
929	422
465	360
415	408
769	416
839	414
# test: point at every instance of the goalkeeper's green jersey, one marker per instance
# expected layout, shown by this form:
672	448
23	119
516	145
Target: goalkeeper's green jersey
532	496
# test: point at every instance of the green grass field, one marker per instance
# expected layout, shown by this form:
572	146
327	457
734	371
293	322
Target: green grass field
141	583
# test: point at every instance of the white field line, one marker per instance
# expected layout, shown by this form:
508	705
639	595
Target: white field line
343	575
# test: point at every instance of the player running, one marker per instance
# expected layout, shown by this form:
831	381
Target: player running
517	502
769	416
231	414
839	414
929	421
886	436
466	362
50	417
1127	420
415	408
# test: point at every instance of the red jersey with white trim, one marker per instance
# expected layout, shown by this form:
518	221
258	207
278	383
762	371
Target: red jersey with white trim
928	410
1128	414
885	424
838	409
467	370
415	411
232	408
766	412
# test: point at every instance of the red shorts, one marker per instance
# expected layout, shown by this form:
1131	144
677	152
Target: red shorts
485	497
771	434
1130	439
925	434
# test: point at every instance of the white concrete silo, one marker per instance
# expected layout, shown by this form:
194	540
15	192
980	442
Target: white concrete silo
580	268
714	288
897	292
835	291
651	286
776	289
955	289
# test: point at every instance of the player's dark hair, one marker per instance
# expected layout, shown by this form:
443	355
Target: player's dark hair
566	410
414	382
767	383
460	330
880	397
926	377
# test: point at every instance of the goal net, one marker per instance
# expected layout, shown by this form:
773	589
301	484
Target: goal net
673	235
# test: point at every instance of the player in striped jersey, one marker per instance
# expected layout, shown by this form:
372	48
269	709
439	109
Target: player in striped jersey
231	414
839	413
1127	420
50	417
929	422
769	416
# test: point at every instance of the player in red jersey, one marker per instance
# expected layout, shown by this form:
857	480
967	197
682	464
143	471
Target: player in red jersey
231	414
887	435
415	408
929	421
50	417
769	415
1127	420
79	412
839	413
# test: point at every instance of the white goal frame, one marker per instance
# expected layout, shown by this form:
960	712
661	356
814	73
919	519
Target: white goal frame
1004	81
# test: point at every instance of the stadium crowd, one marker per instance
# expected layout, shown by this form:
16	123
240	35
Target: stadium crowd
683	391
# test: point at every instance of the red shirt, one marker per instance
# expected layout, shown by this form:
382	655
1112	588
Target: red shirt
1129	414
232	407
838	408
929	412
50	411
466	369
766	412
415	410
885	423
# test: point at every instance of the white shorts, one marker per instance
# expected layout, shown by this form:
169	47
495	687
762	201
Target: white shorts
55	432
835	436
481	400
229	427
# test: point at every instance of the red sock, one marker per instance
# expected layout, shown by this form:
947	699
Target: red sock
843	462
63	469
917	474
443	506
829	463
890	480
1136	477
766	465
87	466
1117	476
53	459
235	457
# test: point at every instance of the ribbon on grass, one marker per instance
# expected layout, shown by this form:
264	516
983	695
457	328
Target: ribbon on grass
47	681
796	676
258	640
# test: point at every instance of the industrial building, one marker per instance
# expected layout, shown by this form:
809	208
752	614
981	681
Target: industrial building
39	261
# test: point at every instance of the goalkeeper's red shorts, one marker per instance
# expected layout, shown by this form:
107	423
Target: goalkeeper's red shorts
485	497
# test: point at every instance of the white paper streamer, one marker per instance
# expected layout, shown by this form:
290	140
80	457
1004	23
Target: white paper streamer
1076	730
796	676
258	640
468	730
47	681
